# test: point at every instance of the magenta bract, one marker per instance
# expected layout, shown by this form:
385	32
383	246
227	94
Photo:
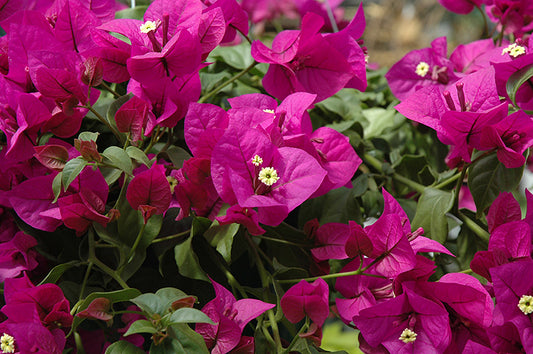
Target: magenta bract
305	299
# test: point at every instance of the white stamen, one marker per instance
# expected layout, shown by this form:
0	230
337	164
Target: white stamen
525	304
408	336
148	26
422	68
266	110
268	175
7	343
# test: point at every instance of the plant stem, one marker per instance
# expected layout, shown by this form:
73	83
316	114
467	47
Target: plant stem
302	329
331	17
265	282
478	230
279	240
448	181
171	237
372	161
224	84
85	278
104	121
136	243
485	23
92	259
108	88
455	205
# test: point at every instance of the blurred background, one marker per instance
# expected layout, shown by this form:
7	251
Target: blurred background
395	27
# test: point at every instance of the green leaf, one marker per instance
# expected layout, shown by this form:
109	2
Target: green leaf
113	296
113	108
123	347
189	315
111	174
177	156
186	259
56	272
237	56
379	119
431	213
138	155
159	303
141	326
518	79
71	170
118	158
56	185
190	341
221	237
488	177
136	13
88	136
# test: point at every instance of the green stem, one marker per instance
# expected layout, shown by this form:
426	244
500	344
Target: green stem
226	83
153	140
331	17
455	208
478	230
136	243
171	237
108	88
265	282
297	336
235	284
104	121
85	278
447	182
279	240
485	23
92	259
372	161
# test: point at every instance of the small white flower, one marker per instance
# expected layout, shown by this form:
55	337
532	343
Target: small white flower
148	26
268	175
525	304
408	336
266	110
7	343
422	68
257	160
514	50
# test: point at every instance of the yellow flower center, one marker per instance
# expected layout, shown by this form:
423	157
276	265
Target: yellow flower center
525	304
408	336
422	68
173	182
257	160
266	110
7	343
148	26
514	50
268	176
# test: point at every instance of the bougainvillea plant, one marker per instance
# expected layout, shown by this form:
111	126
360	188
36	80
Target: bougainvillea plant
176	179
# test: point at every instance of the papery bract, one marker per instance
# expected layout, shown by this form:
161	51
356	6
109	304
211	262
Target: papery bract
230	317
305	299
149	192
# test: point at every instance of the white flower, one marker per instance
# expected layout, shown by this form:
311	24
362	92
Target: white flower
148	26
268	175
408	336
7	343
525	304
422	68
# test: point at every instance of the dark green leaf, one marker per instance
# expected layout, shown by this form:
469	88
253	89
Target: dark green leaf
88	136
123	347
177	156
488	177
56	185
56	272
141	326
71	170
190	341
186	258
138	155
518	79
189	315
118	158
221	237
237	56
431	213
